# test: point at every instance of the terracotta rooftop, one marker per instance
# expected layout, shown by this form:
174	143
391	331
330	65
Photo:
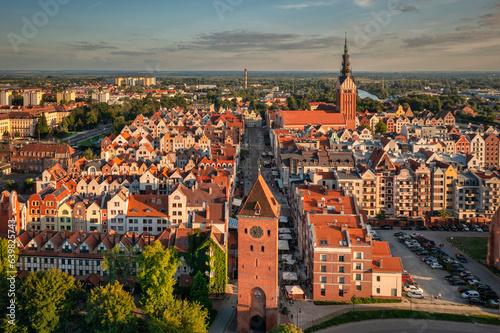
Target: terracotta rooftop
260	200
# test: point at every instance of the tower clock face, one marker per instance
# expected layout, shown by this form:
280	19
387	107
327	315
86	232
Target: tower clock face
256	232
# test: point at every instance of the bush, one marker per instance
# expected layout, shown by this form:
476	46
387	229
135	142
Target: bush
285	311
359	300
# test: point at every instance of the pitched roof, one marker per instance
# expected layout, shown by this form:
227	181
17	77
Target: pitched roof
260	195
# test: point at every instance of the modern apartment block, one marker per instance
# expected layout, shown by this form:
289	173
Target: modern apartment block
32	98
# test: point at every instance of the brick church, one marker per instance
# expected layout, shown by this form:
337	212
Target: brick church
342	116
258	290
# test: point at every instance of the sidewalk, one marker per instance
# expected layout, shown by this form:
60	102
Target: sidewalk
311	314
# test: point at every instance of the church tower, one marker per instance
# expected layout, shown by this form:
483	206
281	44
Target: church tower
258	289
345	90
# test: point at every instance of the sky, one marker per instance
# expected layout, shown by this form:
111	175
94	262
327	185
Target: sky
261	35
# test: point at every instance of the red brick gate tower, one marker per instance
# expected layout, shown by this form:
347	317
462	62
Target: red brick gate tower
345	92
258	289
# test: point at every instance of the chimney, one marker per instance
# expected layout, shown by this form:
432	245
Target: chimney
246	78
207	212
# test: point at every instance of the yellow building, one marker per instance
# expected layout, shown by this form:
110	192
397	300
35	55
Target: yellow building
65	216
67	95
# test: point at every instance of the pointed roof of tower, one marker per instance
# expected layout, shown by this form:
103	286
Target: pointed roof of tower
346	64
260	202
345	45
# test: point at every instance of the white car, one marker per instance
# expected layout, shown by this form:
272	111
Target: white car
415	294
479	229
412	289
435	265
469	294
465	227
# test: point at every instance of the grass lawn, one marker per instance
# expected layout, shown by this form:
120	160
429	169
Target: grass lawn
387	314
475	247
88	142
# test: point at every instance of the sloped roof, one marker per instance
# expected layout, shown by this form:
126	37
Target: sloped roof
260	196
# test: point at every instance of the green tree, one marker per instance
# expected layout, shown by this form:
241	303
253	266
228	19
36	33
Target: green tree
286	328
366	126
110	309
443	213
381	128
119	264
12	185
157	267
199	291
6	264
42	300
41	126
181	317
292	103
28	184
89	154
381	215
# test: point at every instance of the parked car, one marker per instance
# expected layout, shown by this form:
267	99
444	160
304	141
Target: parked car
476	301
453	228
415	294
465	228
406	227
457	282
462	289
489	294
422	253
421	227
485	227
451	277
399	233
436	266
413	289
460	228
470	293
478	229
461	257
386	227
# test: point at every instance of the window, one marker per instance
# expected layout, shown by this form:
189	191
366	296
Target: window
323	268
359	255
358	277
358	266
322	279
342	258
262	248
341	292
358	287
323	291
378	290
341	279
341	269
378	278
246	230
251	248
269	232
323	257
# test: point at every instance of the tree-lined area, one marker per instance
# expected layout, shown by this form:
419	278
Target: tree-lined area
50	301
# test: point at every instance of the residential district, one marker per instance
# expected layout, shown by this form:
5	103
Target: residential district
294	205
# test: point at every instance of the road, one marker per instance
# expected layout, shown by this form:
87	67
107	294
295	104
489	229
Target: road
79	137
432	281
225	316
410	325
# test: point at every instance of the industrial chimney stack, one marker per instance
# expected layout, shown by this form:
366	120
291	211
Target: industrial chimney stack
246	78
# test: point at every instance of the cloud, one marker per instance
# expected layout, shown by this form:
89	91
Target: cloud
87	46
363	3
241	40
131	53
407	9
460	37
100	59
304	5
490	20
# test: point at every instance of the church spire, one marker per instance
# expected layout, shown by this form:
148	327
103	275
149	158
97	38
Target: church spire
346	64
345	46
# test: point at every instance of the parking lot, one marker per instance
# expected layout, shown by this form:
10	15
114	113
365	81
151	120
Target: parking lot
432	280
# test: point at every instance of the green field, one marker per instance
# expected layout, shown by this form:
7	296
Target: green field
88	142
475	247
